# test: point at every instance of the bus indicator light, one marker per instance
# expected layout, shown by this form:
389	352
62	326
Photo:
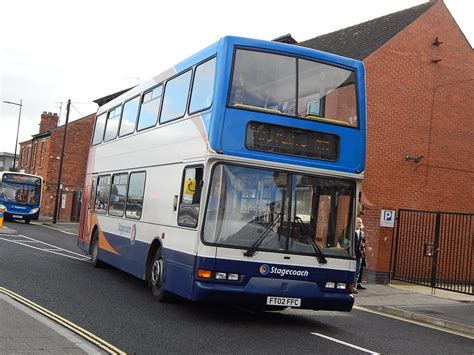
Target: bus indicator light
205	274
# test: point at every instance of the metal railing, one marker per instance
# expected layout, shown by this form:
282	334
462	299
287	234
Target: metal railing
435	249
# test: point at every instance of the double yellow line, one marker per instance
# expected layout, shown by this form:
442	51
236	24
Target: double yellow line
101	343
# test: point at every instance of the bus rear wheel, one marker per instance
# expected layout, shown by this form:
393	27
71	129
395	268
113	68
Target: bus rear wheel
156	278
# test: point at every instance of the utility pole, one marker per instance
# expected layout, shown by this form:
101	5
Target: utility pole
58	190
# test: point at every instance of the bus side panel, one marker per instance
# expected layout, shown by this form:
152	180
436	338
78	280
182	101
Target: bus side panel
123	255
179	272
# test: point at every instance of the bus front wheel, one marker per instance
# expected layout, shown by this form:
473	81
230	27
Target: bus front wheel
95	250
156	278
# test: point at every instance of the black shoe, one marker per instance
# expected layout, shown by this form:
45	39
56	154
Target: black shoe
354	292
360	287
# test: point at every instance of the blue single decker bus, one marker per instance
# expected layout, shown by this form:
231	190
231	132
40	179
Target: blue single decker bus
20	195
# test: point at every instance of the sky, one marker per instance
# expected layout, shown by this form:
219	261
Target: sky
52	51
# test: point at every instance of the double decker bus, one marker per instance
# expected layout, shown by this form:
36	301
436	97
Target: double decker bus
233	177
20	195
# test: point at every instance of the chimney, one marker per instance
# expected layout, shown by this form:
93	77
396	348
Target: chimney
49	121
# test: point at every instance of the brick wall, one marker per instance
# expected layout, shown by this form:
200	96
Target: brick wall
419	108
78	140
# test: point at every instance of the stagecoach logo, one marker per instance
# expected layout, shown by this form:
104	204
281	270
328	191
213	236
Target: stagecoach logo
265	270
132	231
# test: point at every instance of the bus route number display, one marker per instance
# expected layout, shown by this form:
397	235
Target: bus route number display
21	179
292	141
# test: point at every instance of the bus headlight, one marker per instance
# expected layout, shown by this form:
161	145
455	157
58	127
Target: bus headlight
34	210
330	284
3	207
221	276
341	286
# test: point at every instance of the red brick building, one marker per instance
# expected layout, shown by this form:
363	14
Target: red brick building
41	156
420	117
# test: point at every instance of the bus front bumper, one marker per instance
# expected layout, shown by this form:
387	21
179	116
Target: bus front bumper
21	215
258	289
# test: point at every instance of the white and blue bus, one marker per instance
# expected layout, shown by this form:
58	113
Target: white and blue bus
233	177
20	195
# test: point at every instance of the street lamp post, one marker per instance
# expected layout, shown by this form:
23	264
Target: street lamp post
18	128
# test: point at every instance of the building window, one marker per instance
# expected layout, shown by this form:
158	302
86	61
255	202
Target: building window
35	145
43	141
28	156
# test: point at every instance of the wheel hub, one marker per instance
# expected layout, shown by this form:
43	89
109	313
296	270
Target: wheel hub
156	271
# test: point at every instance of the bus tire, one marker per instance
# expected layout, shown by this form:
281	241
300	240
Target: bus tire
94	250
156	278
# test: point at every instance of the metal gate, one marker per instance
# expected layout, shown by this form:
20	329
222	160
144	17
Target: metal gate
435	249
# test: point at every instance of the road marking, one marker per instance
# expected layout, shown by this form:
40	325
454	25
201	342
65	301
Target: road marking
94	339
426	325
346	344
48	248
57	229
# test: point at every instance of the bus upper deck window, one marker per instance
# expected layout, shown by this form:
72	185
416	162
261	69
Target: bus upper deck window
129	116
98	131
175	97
203	86
150	106
326	93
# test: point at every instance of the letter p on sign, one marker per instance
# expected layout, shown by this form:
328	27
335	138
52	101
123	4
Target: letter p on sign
387	218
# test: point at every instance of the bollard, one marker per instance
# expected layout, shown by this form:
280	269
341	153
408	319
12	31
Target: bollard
1	216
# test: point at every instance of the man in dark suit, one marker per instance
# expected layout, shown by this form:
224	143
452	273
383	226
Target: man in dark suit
359	253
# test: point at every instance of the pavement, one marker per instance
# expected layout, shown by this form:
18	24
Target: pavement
26	327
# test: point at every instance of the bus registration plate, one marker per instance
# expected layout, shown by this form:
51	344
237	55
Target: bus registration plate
283	301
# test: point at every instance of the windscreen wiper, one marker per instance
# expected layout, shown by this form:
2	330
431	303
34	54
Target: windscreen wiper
310	237
264	233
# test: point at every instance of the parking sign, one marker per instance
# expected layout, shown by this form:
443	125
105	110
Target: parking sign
387	218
